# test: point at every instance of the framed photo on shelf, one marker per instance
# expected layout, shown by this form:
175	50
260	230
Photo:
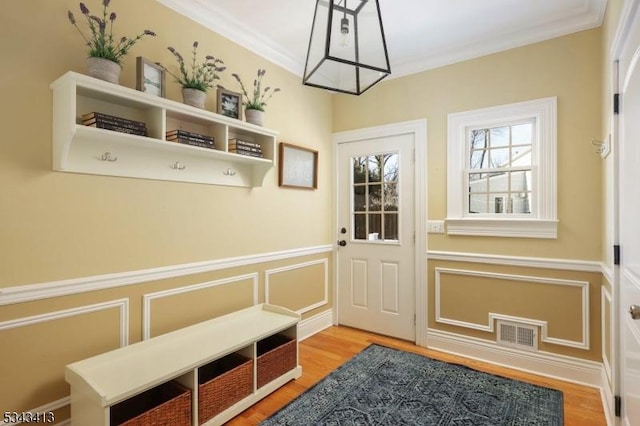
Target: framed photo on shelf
149	77
297	167
229	103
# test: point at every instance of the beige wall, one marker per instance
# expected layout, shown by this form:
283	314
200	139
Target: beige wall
56	225
60	226
568	67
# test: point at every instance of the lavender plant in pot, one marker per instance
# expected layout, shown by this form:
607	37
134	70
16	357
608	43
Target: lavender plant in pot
199	78
105	50
256	103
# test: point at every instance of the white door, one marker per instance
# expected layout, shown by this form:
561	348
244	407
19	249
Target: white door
629	198
375	218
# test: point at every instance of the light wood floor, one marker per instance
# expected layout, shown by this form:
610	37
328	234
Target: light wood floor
324	352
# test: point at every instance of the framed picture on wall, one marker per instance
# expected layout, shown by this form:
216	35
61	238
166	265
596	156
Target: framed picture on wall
297	167
149	77
229	103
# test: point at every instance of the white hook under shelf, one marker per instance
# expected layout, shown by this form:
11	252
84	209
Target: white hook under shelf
229	172
178	166
107	156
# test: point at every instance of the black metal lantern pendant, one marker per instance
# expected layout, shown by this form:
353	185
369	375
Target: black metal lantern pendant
347	49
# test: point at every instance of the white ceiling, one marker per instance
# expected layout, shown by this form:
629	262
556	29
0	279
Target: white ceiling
420	34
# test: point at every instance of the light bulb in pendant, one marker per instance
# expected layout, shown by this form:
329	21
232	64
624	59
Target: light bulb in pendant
344	32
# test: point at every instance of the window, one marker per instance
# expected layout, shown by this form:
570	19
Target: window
375	197
502	171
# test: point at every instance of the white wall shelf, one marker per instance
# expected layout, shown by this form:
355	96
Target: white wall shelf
82	149
100	382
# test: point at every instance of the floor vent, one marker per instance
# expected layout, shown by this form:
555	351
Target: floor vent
517	335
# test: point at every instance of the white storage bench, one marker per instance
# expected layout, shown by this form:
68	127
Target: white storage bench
225	365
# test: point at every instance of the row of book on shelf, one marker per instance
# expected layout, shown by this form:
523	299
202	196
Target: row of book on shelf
111	122
125	125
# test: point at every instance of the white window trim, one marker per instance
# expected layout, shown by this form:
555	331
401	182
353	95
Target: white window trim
543	222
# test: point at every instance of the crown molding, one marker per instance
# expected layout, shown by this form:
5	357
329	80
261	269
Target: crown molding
214	17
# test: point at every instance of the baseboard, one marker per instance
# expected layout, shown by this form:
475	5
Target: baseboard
569	369
607	399
315	324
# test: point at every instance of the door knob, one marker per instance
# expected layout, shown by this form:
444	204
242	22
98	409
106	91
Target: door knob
634	310
343	243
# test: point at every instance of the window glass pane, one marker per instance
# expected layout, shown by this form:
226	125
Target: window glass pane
478	182
360	226
521	156
375	197
478	203
499	137
390	226
519	181
479	159
521	202
477	139
500	203
375	168
521	134
391	167
499	182
390	197
359	198
499	157
359	169
375	226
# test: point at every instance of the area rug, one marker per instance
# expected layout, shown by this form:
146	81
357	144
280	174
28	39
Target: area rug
384	386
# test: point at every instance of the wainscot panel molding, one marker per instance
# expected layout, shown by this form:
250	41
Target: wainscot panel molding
31	292
121	304
322	302
547	364
490	326
533	262
315	324
147	299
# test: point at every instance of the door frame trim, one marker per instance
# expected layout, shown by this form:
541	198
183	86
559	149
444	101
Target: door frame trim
418	128
618	48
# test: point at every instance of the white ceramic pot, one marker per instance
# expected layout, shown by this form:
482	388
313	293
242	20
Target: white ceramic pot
194	97
254	116
104	69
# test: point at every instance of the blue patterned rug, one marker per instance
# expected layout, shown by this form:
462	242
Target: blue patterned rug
384	386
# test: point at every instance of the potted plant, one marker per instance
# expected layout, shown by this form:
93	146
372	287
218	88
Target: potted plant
200	78
105	51
255	104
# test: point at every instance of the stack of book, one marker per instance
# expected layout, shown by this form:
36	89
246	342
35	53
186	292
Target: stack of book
241	147
111	122
191	138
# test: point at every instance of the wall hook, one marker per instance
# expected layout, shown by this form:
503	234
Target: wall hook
107	156
178	166
602	147
229	172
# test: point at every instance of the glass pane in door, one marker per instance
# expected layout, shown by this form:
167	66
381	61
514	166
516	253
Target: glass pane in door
374	203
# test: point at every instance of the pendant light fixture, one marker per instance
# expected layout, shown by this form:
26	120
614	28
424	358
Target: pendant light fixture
347	49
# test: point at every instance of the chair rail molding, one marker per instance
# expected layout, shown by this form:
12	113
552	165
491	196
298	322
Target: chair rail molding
31	292
525	261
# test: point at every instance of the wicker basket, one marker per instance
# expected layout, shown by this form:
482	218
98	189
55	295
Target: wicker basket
166	405
222	383
276	356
